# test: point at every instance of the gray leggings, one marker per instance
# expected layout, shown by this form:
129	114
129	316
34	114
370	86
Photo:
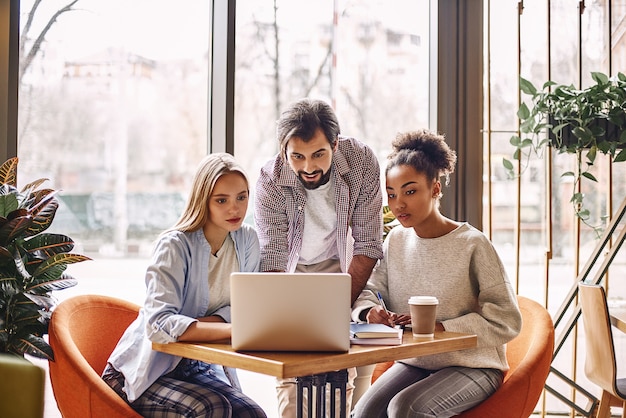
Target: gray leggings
406	391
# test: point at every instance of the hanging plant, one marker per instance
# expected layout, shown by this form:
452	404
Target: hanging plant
583	122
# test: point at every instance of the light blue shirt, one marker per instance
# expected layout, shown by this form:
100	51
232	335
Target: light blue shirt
177	292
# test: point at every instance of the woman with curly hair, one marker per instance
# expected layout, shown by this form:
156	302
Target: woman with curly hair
431	254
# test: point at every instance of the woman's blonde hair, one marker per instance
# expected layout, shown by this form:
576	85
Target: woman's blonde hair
210	169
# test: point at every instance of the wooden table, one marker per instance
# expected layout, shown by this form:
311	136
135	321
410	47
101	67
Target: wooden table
313	364
293	364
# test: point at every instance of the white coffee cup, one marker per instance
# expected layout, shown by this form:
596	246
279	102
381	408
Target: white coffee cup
423	315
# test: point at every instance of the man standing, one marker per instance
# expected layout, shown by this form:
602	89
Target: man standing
318	207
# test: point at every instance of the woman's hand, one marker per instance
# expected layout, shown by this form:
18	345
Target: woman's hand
378	315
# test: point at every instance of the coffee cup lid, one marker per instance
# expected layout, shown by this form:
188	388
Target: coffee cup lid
423	300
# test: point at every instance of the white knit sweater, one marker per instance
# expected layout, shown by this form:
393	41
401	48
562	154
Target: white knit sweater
463	270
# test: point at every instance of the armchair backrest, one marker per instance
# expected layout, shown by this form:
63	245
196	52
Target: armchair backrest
529	356
83	331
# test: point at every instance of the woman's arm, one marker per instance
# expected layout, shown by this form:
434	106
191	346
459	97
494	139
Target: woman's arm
208	329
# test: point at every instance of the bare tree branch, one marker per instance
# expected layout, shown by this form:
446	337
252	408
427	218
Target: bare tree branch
28	59
320	70
28	25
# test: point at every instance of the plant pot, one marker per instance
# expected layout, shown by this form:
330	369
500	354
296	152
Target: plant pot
606	134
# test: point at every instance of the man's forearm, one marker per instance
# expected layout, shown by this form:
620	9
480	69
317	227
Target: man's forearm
360	269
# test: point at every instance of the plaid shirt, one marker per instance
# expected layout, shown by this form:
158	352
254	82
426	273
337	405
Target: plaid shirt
280	200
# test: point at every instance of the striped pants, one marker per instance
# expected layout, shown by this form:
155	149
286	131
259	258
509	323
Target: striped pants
192	390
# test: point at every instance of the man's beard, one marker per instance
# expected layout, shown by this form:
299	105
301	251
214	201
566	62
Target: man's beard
314	185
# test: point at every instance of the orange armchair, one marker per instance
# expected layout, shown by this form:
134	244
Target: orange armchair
83	331
529	356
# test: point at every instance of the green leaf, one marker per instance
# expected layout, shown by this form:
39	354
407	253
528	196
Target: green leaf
58	260
5	254
591	155
47	245
9	286
528	126
583	214
527	87
507	164
577	198
523	112
43	301
599	78
8	204
43	210
50	274
34	346
14	228
589	176
65	281
620	157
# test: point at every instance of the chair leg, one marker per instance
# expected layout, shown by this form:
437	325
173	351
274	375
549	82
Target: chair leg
624	409
604	409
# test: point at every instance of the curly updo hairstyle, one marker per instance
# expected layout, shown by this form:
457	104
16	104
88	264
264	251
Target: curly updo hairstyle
425	151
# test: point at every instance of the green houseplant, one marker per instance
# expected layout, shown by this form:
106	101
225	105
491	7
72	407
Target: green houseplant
32	264
583	122
389	221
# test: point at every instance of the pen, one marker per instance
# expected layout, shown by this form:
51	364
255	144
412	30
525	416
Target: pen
382	302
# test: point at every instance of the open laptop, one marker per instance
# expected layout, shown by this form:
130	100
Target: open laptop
290	311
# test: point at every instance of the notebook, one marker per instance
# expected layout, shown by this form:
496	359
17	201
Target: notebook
290	311
375	334
365	330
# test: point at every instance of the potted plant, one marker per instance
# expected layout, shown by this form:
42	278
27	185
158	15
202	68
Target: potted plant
389	221
583	122
32	264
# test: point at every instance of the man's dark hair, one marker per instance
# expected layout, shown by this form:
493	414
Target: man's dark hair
303	118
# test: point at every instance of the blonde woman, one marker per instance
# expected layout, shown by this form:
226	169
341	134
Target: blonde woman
188	299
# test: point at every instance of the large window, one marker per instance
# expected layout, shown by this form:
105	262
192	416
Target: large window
369	59
113	99
533	224
113	111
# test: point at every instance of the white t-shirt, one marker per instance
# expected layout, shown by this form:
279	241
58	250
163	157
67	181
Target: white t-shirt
220	267
319	241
